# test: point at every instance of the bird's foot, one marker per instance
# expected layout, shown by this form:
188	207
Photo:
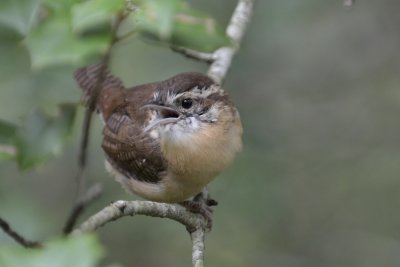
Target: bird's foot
201	206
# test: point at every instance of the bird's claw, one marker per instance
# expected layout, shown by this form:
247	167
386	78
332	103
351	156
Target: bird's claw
203	207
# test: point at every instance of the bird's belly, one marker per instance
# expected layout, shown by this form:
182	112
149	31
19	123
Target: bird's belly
170	188
179	188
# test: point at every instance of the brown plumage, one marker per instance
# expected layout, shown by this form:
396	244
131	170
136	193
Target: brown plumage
177	155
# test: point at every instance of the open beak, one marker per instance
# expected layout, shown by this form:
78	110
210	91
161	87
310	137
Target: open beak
166	115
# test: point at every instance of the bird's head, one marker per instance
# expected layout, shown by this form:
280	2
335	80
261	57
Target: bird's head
189	102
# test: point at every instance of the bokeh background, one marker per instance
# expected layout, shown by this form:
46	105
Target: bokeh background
317	183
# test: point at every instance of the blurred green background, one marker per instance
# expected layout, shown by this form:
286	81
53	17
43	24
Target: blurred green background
317	183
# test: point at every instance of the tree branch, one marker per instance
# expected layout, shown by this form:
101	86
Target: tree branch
198	237
194	223
220	61
193	54
235	30
123	208
81	193
93	193
17	237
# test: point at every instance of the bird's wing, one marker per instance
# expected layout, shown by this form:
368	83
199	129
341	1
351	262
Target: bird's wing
130	151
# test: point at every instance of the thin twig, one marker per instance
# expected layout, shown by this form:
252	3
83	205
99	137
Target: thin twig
93	193
82	158
235	31
17	237
221	59
193	54
79	206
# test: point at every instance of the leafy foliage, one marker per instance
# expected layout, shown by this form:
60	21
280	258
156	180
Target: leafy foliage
77	251
7	136
19	15
39	138
71	32
91	14
177	24
54	42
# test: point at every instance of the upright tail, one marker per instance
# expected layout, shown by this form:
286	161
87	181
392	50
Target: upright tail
111	88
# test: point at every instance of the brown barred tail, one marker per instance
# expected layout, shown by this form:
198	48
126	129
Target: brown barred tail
89	77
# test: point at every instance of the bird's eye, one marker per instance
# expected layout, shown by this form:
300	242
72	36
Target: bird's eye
187	103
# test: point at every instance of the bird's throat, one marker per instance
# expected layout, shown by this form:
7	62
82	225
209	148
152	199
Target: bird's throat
200	154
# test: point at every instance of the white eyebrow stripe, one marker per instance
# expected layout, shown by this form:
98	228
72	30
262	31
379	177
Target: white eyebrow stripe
170	97
206	92
156	95
203	92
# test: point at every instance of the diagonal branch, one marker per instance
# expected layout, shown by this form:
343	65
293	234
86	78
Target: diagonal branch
81	192
194	54
221	59
235	30
17	237
91	194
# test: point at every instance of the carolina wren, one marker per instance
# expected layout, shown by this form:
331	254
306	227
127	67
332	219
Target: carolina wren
165	141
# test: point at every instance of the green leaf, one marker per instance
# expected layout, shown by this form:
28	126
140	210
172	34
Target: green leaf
89	14
7	132
156	18
53	42
42	136
198	31
76	251
7	140
177	24
60	5
19	15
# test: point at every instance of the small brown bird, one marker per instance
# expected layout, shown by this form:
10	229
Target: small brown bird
164	141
